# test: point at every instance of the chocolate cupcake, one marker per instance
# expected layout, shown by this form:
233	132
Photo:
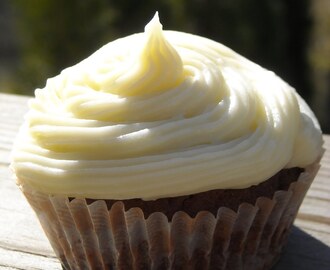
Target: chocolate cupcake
165	150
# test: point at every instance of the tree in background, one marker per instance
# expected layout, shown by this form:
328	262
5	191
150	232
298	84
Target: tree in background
58	34
319	56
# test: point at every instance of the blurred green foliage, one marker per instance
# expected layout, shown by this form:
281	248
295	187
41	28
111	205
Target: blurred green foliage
56	34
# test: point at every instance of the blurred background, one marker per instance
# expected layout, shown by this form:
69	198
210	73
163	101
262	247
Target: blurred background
38	38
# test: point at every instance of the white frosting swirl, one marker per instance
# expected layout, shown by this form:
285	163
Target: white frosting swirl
162	114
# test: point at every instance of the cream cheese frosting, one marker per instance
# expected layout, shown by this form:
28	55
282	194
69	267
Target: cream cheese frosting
162	114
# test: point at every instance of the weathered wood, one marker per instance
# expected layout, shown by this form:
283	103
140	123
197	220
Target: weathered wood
24	246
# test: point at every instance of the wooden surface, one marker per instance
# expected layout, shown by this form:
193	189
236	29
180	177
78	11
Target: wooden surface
24	246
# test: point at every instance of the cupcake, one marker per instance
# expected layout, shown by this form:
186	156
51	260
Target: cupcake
166	150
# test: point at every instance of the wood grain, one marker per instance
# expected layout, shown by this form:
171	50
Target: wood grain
24	246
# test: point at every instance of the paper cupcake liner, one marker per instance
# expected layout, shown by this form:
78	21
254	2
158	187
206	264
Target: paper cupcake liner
92	237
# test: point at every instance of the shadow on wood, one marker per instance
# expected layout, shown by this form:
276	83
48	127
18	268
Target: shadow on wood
304	252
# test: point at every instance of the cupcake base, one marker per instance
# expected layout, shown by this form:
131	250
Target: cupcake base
213	199
89	236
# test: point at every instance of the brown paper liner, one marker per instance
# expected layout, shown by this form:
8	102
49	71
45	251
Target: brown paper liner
92	237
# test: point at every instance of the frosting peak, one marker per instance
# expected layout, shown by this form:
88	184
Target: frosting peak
155	65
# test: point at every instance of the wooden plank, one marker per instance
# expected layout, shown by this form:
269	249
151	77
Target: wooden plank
24	246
